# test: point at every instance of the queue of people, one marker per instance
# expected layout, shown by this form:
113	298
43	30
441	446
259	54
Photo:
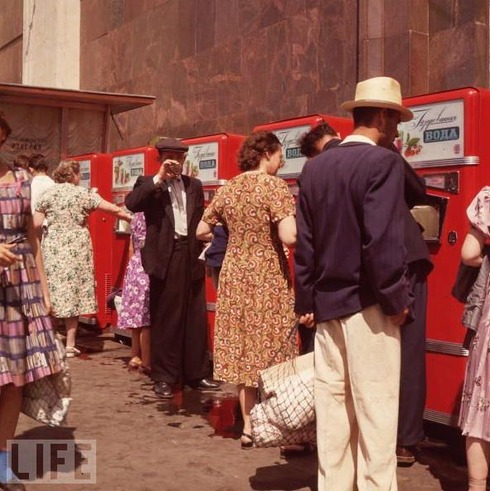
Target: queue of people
360	266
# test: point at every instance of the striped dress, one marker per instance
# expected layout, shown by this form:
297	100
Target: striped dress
27	348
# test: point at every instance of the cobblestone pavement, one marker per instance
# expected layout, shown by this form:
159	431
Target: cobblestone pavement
188	443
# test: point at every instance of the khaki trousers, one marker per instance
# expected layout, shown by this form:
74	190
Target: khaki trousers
357	378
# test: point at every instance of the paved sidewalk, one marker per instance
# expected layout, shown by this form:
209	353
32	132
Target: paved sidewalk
188	443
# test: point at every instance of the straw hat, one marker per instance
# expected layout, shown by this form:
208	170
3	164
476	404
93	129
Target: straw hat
383	92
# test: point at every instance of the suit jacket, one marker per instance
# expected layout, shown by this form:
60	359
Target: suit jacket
350	251
156	204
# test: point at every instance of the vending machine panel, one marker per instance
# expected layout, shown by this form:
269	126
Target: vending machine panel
447	144
95	175
290	131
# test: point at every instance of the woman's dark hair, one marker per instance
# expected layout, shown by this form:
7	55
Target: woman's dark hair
255	147
66	171
38	162
21	161
309	140
4	126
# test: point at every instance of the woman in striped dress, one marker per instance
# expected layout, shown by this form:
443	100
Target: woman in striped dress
27	347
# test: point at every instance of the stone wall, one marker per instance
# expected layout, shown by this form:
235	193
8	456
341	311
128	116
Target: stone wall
428	45
11	41
219	65
228	65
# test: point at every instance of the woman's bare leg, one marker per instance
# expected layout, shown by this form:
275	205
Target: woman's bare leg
477	453
248	398
145	346
71	324
135	342
10	402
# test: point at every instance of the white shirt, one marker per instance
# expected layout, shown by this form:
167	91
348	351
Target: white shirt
179	202
39	185
357	139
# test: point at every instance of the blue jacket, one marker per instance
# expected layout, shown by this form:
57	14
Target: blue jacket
350	250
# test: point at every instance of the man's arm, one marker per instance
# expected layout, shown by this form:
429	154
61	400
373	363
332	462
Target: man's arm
383	250
144	189
415	191
304	258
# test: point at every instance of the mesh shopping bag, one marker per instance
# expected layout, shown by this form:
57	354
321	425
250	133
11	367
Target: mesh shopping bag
47	400
286	414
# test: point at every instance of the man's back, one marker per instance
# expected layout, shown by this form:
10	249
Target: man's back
351	203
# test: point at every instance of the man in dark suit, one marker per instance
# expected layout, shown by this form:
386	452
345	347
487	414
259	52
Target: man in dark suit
350	268
173	205
320	138
413	334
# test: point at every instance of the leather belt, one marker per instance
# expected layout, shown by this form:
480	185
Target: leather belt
180	238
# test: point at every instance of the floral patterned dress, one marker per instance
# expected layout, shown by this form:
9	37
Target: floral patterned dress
27	347
255	307
67	249
474	417
135	308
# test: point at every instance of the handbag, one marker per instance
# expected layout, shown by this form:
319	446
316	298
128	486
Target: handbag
286	414
465	278
47	400
112	299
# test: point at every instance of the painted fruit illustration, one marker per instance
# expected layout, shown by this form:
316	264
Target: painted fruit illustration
411	146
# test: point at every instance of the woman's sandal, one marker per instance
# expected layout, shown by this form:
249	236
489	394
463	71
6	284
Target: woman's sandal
71	352
246	445
135	362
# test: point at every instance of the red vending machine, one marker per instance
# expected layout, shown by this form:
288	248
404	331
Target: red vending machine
95	173
213	160
290	131
126	167
447	143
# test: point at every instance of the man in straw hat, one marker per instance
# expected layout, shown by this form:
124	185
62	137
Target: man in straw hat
350	282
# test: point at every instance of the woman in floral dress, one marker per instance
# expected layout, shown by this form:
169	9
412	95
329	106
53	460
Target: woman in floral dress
27	346
255	307
67	247
474	418
135	308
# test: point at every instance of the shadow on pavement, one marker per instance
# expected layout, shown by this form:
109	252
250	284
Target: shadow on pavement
444	454
297	473
48	446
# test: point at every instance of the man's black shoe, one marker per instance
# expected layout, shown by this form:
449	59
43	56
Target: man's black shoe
203	384
163	390
405	456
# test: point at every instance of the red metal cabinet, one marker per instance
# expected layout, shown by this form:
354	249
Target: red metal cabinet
95	174
447	143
